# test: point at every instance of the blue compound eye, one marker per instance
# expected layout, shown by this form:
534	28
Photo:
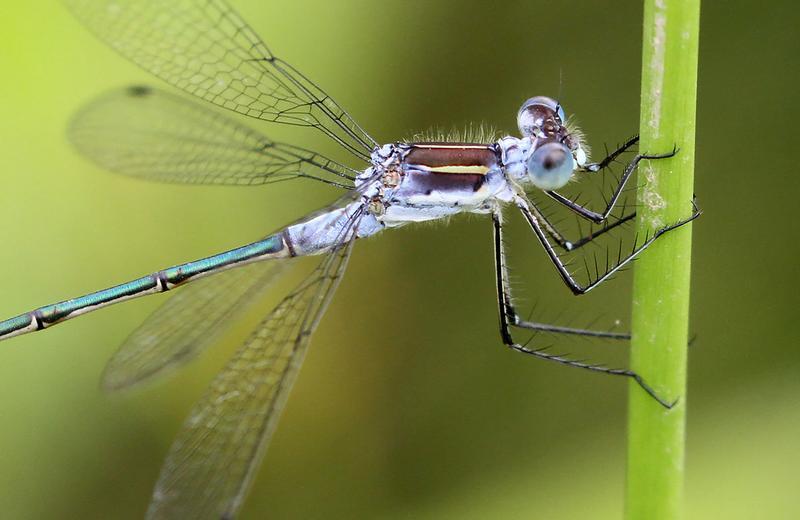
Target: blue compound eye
550	166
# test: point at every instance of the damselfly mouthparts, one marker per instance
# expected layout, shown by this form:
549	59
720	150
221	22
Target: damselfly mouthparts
205	49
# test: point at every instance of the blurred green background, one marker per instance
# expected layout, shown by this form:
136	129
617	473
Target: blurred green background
408	406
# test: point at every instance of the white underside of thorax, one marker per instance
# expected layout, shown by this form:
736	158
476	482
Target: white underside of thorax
407	203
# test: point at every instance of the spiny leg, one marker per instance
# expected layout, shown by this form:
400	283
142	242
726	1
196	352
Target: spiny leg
629	169
572	245
568	246
574	286
557	329
558	236
508	314
509	318
610	157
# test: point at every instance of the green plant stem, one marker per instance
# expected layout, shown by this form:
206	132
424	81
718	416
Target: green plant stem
661	279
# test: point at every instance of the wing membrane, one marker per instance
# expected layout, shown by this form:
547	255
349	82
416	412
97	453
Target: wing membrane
203	47
213	460
154	135
186	324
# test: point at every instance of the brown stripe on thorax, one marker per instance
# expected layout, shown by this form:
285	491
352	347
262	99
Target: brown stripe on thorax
452	158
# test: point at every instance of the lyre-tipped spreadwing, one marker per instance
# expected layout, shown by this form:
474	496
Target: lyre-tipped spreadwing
205	49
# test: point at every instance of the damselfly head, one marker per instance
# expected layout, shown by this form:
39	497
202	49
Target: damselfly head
557	149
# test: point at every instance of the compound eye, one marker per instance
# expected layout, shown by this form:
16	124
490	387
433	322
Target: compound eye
540	116
550	166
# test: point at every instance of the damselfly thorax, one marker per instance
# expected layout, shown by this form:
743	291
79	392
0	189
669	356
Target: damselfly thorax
436	180
420	181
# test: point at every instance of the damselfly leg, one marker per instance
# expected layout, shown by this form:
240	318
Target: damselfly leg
611	156
623	180
509	318
572	245
546	232
598	218
609	270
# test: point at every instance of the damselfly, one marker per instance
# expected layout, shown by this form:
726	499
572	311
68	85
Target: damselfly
205	49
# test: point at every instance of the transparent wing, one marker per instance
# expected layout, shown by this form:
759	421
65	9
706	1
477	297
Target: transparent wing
186	324
203	47
151	134
215	456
